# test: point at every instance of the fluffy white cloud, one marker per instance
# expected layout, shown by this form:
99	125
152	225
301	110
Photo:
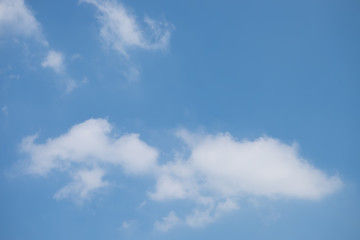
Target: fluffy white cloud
121	31
167	222
216	174
220	170
228	167
17	19
55	61
88	145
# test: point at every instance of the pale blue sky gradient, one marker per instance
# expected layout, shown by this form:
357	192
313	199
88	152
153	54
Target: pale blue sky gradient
288	70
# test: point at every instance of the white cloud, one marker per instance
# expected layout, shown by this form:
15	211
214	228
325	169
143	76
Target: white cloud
17	19
228	167
55	61
175	181
221	170
199	218
70	85
167	222
88	145
5	110
216	174
210	212
84	183
121	31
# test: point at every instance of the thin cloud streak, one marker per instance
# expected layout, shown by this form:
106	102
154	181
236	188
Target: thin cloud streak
121	31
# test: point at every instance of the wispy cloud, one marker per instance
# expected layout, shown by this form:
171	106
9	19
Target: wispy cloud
219	171
132	75
70	84
126	224
17	19
55	61
209	211
167	222
5	111
121	31
85	183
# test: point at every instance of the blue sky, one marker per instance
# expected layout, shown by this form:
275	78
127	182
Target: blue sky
179	120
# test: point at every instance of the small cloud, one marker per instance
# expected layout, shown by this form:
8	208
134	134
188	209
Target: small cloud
85	80
12	76
5	111
142	204
167	222
55	61
226	206
70	85
121	31
76	56
200	218
132	75
126	225
85	182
